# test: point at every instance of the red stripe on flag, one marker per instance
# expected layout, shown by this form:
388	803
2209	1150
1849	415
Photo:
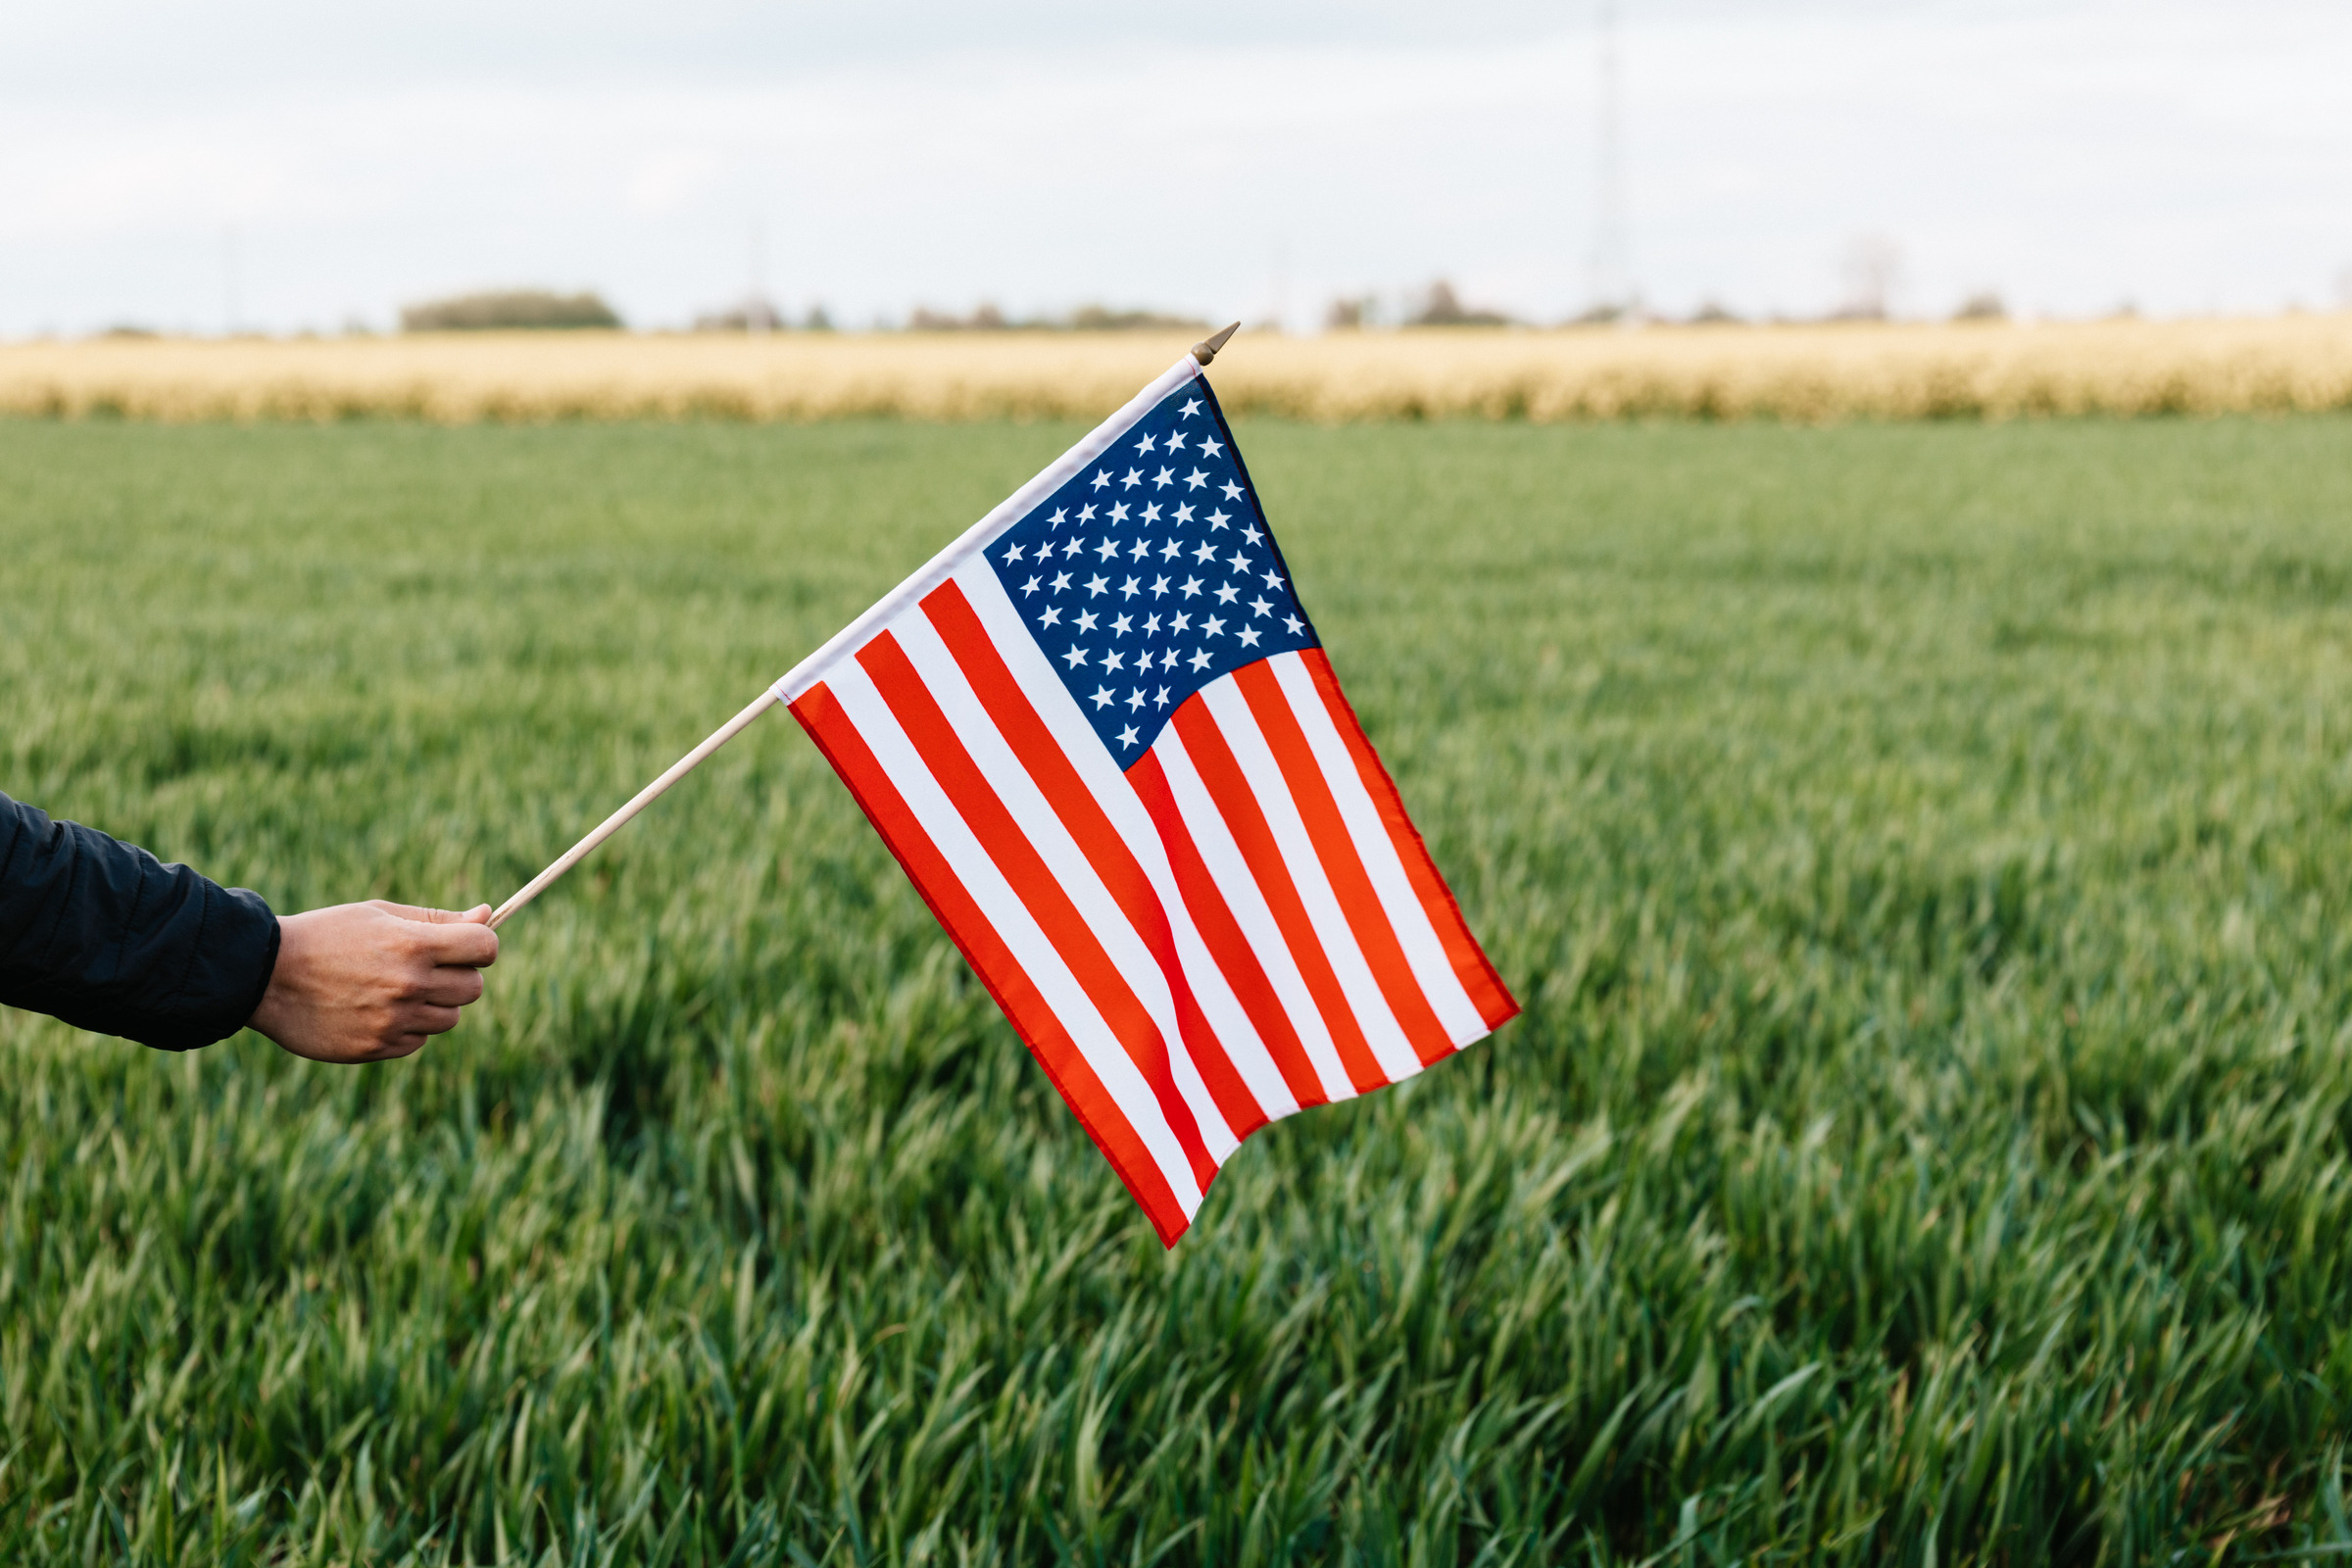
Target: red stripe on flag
1222	934
977	940
1229	790
976	801
1494	1000
1050	768
1341	863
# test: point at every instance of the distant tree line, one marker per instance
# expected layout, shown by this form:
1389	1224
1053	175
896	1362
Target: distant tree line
528	310
1873	268
1436	306
1871	271
757	314
1085	319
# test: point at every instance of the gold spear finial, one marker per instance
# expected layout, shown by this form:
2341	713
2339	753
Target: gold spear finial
1207	349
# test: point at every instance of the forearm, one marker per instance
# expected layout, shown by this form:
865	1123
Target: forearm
103	935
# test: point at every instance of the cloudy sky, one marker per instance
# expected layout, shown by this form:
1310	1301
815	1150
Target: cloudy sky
301	165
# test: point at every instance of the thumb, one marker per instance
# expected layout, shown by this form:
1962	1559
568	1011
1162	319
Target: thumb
464	940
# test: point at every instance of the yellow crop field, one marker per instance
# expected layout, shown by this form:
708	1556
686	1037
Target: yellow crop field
1805	373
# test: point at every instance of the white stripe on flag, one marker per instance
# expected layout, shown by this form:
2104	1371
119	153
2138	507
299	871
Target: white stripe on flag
1042	827
1377	853
1106	782
1382	1031
1247	901
1016	927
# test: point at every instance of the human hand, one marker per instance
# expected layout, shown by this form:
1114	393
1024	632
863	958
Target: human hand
368	982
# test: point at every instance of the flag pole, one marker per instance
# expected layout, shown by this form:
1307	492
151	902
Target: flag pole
1203	352
643	799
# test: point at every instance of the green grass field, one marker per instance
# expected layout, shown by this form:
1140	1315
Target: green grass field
1920	851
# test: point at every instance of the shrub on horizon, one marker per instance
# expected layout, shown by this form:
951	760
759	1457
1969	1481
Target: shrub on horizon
1441	308
1981	306
511	309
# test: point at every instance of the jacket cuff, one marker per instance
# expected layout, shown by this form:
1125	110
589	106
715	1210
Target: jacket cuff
230	974
272	935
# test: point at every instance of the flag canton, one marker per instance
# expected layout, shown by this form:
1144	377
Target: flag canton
1152	573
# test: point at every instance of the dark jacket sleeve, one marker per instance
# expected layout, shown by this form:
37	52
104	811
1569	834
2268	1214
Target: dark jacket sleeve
102	934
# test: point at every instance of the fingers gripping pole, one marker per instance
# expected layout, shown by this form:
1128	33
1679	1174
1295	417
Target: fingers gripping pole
644	797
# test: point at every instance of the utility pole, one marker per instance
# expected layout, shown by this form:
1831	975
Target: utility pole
1611	278
756	310
230	306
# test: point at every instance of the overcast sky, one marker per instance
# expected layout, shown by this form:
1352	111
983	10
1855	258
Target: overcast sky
307	165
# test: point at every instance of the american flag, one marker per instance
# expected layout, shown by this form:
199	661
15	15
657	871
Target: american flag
1101	735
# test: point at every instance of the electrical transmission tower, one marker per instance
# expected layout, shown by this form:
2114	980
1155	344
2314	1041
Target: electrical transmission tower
1612	279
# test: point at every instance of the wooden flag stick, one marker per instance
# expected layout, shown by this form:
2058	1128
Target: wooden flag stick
1203	352
644	797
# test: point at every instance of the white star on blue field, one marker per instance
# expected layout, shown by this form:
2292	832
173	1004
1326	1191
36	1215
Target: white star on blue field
1152	572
